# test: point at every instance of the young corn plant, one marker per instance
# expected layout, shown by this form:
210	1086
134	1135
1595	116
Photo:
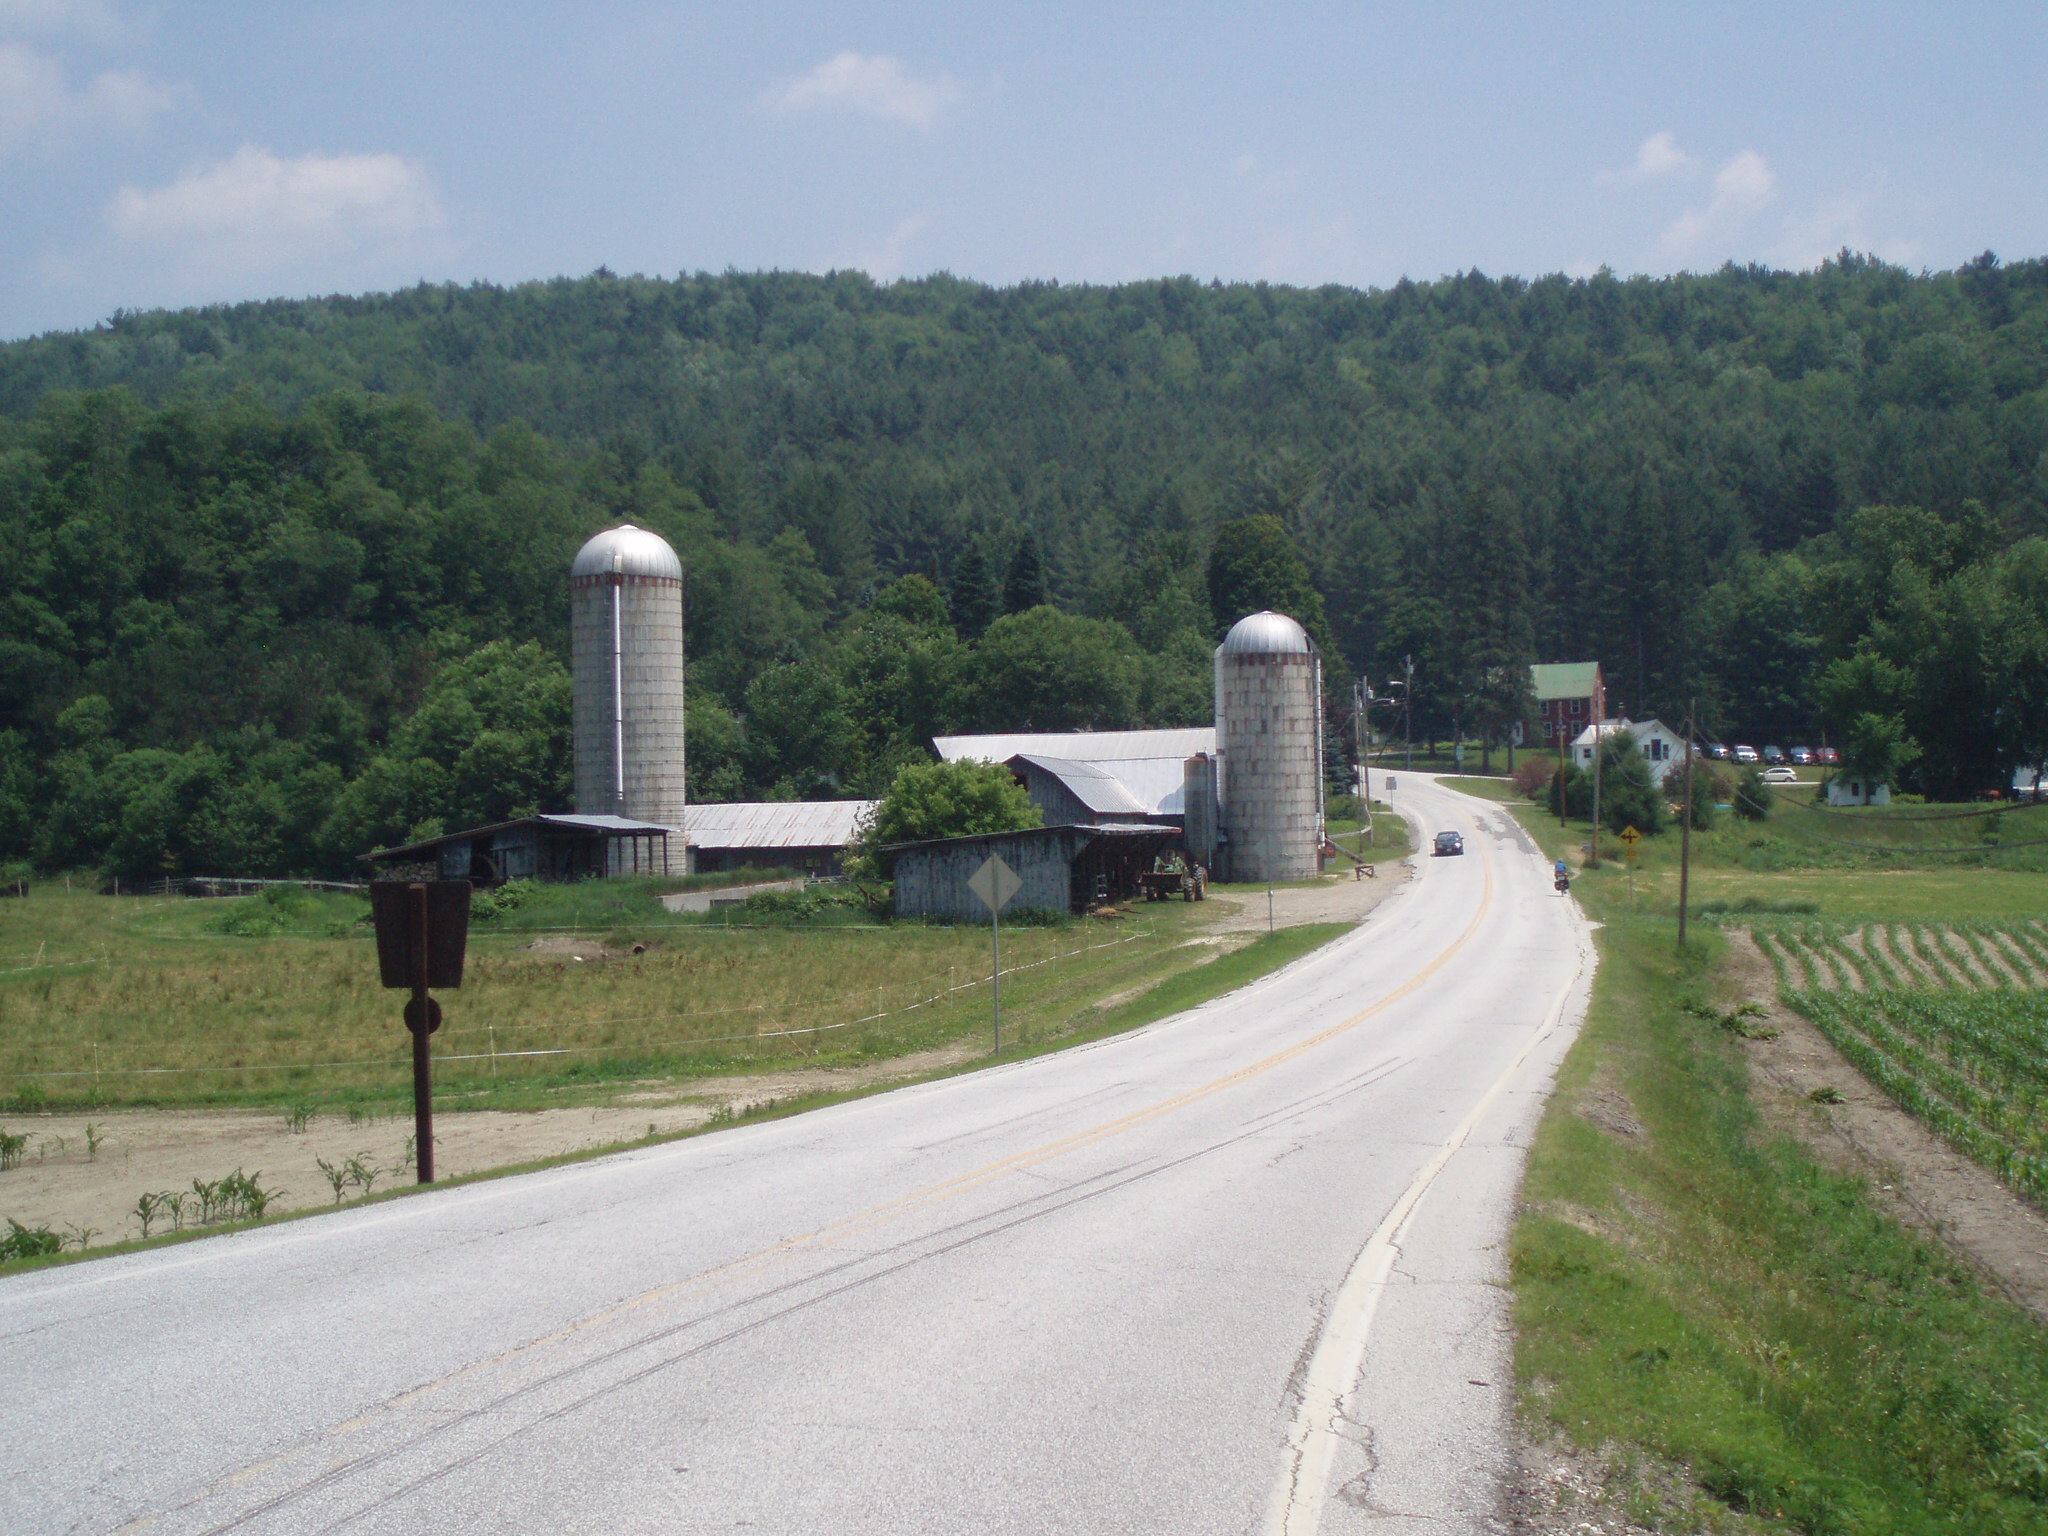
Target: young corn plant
13	1146
335	1175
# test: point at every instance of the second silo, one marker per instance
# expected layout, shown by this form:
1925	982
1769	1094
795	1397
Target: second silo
626	643
1269	728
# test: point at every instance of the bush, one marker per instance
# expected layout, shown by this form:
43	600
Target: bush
501	901
28	1242
1752	795
1533	775
272	910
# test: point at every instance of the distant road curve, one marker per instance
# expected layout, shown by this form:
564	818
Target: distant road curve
1240	1271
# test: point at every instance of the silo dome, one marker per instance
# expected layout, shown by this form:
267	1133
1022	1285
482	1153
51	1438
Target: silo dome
1267	634
1269	729
627	551
626	645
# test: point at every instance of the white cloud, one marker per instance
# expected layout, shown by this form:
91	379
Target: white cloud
254	210
1657	156
887	261
37	100
1741	187
871	83
1310	253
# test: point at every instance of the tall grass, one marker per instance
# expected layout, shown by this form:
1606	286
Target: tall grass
169	1011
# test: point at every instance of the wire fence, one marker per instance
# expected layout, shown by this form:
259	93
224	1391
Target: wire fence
929	994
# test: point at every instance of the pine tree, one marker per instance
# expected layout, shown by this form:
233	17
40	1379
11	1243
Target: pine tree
972	596
1024	586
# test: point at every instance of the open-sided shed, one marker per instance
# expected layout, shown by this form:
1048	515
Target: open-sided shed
537	848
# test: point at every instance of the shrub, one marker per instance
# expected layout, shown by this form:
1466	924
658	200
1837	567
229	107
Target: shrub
1532	776
501	901
28	1242
1752	795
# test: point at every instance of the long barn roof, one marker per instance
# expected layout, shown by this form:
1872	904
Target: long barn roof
1150	765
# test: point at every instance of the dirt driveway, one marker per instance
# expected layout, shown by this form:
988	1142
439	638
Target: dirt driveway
1340	900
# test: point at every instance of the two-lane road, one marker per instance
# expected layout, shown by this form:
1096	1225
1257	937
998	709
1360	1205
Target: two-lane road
1239	1271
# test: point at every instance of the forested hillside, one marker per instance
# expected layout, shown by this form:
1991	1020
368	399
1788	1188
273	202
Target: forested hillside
286	579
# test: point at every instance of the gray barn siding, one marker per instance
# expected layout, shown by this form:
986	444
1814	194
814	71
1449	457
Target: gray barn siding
1059	806
932	881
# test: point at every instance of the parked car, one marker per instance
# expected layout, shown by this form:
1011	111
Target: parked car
1718	751
1744	753
1803	756
1828	756
1774	754
1780	775
1448	843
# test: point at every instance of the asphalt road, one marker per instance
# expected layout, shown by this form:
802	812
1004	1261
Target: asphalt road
1240	1271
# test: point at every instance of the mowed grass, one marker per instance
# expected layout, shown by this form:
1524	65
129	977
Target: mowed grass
1770	867
1696	1292
135	1001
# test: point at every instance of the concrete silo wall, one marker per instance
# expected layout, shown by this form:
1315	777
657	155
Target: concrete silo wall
1269	726
628	696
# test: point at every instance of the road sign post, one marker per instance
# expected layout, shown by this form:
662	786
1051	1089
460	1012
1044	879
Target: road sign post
1629	838
993	884
422	931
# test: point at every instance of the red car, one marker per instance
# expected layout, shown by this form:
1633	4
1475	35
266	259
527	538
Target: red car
1827	755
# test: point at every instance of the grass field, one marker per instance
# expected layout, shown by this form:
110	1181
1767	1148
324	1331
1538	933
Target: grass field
146	1001
1697	1296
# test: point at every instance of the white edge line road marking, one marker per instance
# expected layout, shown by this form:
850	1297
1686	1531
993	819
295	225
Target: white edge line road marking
1296	1505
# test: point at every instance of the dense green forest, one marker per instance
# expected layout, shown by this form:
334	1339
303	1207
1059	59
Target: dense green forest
285	580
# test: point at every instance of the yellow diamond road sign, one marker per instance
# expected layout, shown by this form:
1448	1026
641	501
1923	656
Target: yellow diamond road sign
1631	837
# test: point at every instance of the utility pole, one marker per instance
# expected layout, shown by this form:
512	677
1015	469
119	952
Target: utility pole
1599	752
1685	829
1408	714
1361	700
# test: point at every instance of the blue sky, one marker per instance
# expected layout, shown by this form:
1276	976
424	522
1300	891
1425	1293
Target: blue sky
169	154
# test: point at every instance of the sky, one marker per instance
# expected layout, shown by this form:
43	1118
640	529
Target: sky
160	155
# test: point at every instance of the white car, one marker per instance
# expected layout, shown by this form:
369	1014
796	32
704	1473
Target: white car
1780	775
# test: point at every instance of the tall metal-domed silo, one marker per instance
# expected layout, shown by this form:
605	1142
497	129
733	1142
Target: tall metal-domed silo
626	644
1269	727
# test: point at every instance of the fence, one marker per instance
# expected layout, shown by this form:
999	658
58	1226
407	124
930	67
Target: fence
928	993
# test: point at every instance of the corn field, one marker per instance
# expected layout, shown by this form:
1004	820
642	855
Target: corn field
1950	1020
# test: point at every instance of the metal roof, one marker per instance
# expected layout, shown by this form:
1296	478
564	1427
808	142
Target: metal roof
1151	765
1082	746
775	823
1093	830
627	551
611	826
1565	679
1090	783
1266	633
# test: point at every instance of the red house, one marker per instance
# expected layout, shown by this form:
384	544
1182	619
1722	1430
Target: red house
1570	695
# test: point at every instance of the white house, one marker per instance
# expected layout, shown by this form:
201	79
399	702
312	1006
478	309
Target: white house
1661	746
1847	789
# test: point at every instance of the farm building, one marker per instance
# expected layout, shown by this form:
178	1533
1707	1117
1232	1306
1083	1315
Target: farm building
1063	869
1144	770
810	835
537	848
